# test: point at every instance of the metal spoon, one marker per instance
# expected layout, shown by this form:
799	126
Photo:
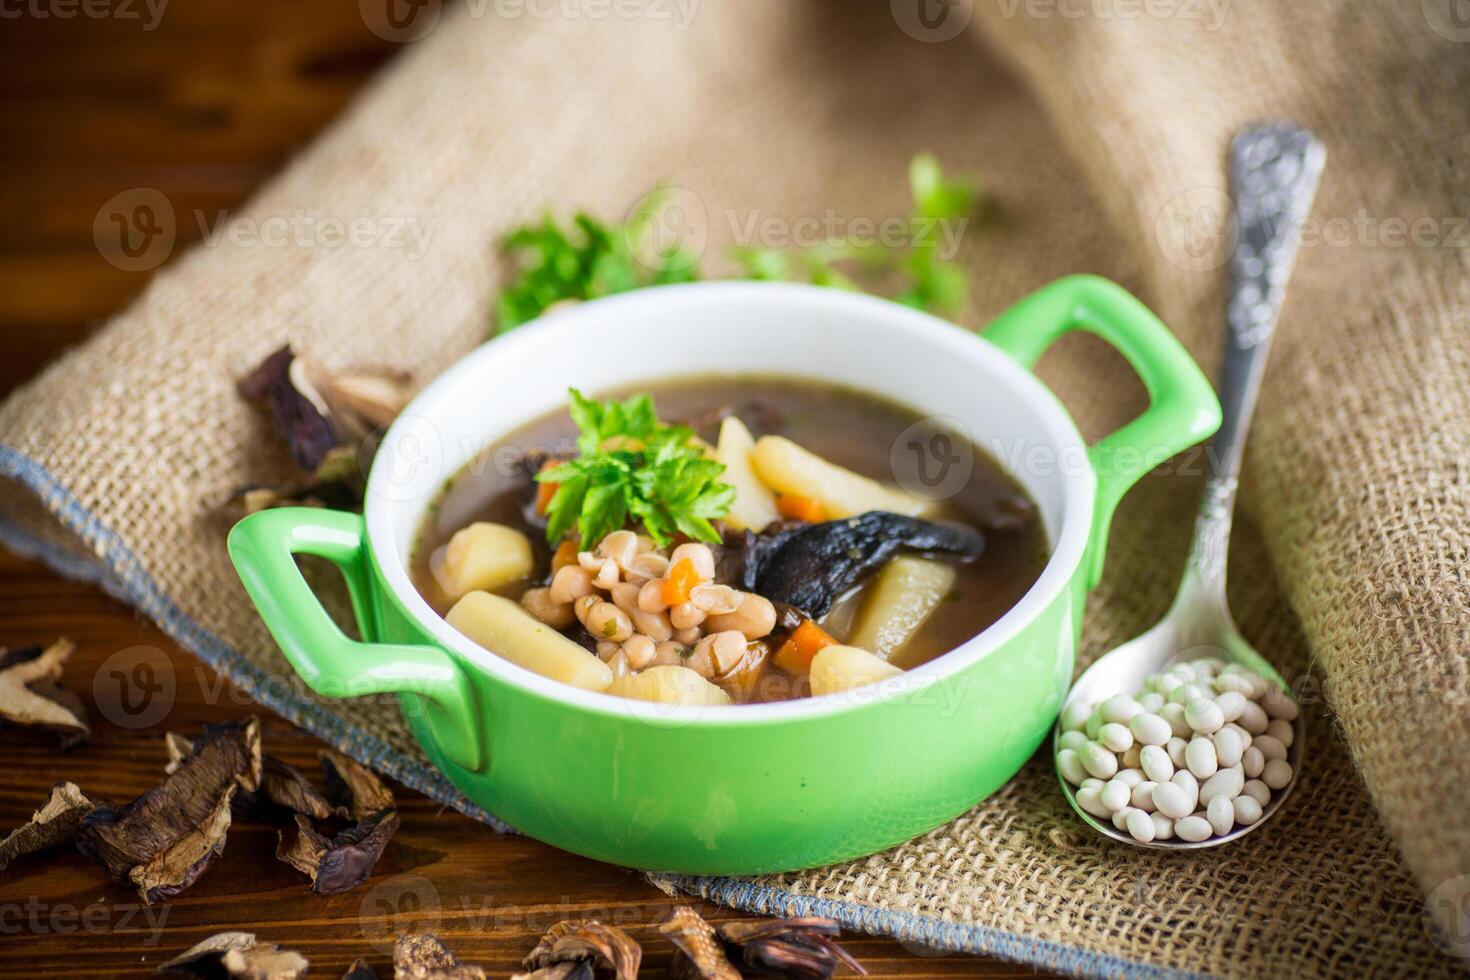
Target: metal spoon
1274	172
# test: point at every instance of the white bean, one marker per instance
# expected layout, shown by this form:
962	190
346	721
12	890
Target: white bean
1245	736
1089	798
1253	719
1073	740
1279	704
1280	729
1252	762
1120	819
1201	759
1075	715
1176	747
1151	701
1277	773
1227	747
1094	723
1246	810
1174	715
1156	764
1172	800
1132	755
1193	829
1115	737
1204	716
1069	764
1163	826
1257	791
1231	704
1141	826
1185	693
1099	761
1226	782
1131	776
1119	709
1270	748
699	556
1149	728
1185	780
1143	796
1115	795
1221	814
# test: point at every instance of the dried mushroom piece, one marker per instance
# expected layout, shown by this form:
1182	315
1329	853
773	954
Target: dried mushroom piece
579	947
56	822
31	692
426	958
281	785
800	947
700	955
360	970
165	839
345	860
326	417
237	955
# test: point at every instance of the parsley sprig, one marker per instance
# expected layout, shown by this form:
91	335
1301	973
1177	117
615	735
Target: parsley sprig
632	468
592	259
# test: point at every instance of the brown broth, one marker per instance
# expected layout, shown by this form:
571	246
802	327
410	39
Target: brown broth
850	428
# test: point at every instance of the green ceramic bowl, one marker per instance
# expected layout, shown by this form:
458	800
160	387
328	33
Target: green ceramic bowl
745	788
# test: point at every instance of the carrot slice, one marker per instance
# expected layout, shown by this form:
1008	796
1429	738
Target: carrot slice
795	655
680	582
566	554
797	508
544	493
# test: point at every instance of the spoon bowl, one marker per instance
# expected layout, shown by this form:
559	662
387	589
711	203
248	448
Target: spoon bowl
1274	173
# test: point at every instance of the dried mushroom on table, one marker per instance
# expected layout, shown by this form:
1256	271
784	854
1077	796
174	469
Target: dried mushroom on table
31	692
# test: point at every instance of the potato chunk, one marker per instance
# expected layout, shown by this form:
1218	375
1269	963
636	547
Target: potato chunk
788	468
842	668
755	505
902	596
482	556
504	628
669	685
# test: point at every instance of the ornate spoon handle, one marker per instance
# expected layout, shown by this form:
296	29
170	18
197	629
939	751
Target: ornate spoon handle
1274	170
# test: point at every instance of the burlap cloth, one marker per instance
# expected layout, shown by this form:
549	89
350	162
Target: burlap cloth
1106	156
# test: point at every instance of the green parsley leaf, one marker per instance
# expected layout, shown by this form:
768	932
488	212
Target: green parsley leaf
632	468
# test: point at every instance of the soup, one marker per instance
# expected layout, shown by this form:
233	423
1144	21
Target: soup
751	548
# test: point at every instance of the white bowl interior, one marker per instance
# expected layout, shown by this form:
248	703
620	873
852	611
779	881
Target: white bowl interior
732	328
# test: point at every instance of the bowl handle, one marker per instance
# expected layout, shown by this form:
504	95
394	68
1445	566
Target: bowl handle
331	663
1183	409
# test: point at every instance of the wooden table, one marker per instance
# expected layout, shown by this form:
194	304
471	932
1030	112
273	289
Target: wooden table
203	107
